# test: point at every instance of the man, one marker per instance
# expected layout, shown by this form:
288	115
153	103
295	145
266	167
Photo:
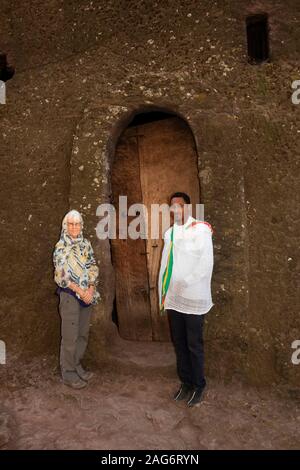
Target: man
185	293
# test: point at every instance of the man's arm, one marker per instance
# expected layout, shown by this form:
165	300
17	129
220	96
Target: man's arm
205	256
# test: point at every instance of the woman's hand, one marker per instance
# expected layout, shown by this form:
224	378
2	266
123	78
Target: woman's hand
89	294
86	295
75	288
91	289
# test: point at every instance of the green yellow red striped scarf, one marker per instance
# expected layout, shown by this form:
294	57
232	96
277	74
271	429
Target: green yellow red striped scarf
167	274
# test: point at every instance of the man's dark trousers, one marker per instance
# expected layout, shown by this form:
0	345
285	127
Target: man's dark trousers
187	337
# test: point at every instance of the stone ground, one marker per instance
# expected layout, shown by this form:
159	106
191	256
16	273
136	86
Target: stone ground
128	406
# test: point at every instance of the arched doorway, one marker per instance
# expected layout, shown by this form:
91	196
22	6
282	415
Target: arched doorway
155	156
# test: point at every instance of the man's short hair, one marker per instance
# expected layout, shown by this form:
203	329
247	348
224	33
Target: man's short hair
184	196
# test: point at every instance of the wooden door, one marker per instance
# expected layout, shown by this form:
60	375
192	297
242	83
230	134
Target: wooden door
128	256
153	161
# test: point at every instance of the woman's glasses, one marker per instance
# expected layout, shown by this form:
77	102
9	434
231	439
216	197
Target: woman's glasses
76	224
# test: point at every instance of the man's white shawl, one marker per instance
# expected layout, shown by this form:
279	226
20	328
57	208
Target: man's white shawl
190	287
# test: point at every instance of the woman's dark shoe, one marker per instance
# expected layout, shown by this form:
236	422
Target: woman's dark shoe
183	392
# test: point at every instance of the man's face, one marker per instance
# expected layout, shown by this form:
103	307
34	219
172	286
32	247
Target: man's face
177	209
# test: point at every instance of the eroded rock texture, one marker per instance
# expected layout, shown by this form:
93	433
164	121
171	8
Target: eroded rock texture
82	70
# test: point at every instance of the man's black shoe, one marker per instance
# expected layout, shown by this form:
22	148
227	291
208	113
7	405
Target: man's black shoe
183	392
195	397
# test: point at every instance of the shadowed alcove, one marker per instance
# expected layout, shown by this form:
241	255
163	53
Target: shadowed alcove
154	157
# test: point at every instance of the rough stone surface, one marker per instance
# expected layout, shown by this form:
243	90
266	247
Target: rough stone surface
8	429
83	70
128	405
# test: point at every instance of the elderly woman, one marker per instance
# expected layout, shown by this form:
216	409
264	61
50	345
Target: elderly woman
76	274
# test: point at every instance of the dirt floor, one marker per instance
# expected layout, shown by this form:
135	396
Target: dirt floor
128	405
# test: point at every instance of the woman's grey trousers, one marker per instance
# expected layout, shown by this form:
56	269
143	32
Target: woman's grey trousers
75	325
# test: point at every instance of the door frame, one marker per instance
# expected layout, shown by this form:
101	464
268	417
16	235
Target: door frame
91	156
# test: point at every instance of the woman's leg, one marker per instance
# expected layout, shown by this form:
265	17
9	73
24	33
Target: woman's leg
69	310
83	333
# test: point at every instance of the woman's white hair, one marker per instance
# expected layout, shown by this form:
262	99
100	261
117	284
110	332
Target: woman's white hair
74	215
